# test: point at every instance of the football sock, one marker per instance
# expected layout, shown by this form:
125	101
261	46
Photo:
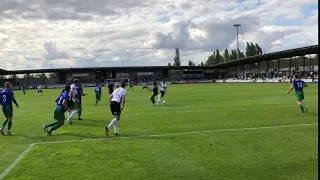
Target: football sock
79	113
113	122
9	125
52	124
74	112
303	105
4	123
152	99
159	98
55	127
115	127
301	108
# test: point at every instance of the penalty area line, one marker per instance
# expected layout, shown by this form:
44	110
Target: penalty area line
24	153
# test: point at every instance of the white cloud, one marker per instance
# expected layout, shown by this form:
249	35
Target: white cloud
81	33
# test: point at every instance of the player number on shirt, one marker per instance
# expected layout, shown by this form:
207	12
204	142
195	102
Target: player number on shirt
300	84
4	98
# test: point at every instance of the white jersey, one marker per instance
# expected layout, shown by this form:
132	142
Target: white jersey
72	91
39	88
164	87
145	84
116	84
118	94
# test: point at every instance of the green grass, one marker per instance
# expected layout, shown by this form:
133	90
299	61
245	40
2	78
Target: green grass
272	153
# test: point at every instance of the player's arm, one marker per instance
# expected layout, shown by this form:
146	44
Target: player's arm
123	101
15	101
111	96
290	89
82	93
305	84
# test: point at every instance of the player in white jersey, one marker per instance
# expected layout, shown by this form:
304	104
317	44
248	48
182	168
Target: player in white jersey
72	94
117	100
145	86
163	90
116	84
39	90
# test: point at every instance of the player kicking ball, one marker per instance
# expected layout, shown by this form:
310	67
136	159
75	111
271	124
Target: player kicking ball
117	101
163	90
59	111
7	97
155	93
39	91
298	85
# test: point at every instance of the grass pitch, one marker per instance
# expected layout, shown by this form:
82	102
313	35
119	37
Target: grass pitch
198	152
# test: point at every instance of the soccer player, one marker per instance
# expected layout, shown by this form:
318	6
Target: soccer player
98	92
145	86
39	90
155	93
131	85
163	89
24	90
116	84
298	86
7	97
117	101
59	111
110	87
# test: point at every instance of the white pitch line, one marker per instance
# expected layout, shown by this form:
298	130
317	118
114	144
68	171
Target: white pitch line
5	172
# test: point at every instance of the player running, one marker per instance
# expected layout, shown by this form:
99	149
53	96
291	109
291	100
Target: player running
98	92
39	90
110	87
24	90
7	97
117	101
145	86
298	86
59	111
155	93
163	89
76	93
131	86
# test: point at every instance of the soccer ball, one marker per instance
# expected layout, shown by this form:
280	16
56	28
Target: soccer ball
164	102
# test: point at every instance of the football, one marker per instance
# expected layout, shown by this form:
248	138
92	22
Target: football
164	102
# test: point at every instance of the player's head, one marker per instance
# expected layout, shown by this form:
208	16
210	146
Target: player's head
76	81
7	85
154	83
123	85
164	81
67	87
67	84
296	76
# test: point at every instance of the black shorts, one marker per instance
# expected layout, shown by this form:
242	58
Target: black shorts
145	87
71	104
162	93
115	108
40	91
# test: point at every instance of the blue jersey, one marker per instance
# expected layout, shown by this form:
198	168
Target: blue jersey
79	92
63	96
298	85
97	90
7	97
155	89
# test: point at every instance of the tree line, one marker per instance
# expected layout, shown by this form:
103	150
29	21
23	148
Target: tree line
220	57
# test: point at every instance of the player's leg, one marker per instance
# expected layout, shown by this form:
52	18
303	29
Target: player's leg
10	115
152	99
6	115
79	107
59	116
300	97
115	110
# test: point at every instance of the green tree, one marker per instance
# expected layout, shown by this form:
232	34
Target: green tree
177	61
169	64
190	63
226	55
218	58
258	49
233	54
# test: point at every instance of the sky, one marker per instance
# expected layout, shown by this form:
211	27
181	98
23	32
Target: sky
37	34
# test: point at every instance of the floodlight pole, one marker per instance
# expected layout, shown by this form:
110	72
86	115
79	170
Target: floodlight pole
238	52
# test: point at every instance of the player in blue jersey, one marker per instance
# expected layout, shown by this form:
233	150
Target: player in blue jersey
155	93
59	111
7	97
298	85
78	95
98	93
24	89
